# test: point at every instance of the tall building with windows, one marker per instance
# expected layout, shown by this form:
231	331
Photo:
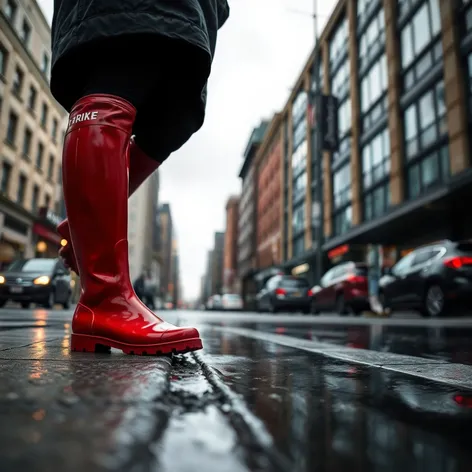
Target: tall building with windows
32	127
400	71
230	259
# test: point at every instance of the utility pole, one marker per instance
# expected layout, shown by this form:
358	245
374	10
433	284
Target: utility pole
317	155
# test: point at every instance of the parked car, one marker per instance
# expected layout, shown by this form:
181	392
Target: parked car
214	303
43	281
344	288
284	292
231	302
431	279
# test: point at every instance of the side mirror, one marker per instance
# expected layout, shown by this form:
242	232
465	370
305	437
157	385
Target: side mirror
60	272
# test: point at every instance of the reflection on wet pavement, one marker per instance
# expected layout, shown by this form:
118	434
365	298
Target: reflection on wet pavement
435	343
332	416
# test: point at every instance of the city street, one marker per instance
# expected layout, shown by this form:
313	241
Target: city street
268	392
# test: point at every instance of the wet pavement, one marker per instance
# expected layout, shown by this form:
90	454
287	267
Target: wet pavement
247	402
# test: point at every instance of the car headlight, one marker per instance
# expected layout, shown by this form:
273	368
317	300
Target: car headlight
43	280
2	279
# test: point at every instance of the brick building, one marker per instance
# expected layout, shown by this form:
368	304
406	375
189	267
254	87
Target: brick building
269	196
247	234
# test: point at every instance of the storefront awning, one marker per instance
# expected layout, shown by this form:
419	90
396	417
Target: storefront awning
46	233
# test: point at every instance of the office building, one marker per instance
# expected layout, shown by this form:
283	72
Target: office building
400	169
230	278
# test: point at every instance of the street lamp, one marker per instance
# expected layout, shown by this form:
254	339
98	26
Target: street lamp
317	206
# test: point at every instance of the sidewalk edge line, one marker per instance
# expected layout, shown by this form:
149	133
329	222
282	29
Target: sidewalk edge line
296	343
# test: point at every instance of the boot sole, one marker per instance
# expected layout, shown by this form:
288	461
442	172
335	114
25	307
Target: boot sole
86	343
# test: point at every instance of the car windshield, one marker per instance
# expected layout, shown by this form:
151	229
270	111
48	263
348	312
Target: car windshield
32	265
294	283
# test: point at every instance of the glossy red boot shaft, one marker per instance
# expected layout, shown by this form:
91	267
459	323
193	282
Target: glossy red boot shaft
109	313
141	166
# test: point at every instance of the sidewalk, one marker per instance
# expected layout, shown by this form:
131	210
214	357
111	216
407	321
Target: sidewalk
63	412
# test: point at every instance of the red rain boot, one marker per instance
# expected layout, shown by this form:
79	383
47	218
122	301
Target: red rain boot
109	314
140	168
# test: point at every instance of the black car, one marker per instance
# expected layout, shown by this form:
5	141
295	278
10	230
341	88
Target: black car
284	292
42	281
431	279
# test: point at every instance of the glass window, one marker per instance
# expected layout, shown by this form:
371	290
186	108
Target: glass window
299	186
25	33
6	174
45	64
342	186
298	247
344	117
372	40
419	33
374	84
12	128
424	120
342	221
33	95
340	81
20	197
44	115
431	170
39	155
51	167
338	43
18	80
35	199
10	10
27	142
3	60
298	218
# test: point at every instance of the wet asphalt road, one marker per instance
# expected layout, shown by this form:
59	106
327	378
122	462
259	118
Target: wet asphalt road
265	394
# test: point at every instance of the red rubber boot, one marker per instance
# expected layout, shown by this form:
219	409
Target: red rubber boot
140	168
109	314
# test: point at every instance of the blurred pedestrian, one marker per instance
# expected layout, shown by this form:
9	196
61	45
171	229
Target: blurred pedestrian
139	287
137	68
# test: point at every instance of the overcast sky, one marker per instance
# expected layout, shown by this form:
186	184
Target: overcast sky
260	53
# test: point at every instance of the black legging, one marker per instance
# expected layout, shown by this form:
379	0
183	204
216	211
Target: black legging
167	100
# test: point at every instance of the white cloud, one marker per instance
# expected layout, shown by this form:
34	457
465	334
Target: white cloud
261	51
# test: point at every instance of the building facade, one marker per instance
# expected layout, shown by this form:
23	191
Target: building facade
142	222
269	197
401	73
166	249
230	263
247	228
217	263
31	133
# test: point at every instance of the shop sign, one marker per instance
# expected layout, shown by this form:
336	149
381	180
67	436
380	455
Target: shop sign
338	251
50	216
301	269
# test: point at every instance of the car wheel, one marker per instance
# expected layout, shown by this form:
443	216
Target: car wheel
51	301
434	301
25	305
272	308
341	307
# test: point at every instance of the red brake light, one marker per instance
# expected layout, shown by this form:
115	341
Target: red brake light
310	293
356	278
280	291
457	262
463	400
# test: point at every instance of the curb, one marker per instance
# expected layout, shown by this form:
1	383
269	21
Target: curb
453	375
